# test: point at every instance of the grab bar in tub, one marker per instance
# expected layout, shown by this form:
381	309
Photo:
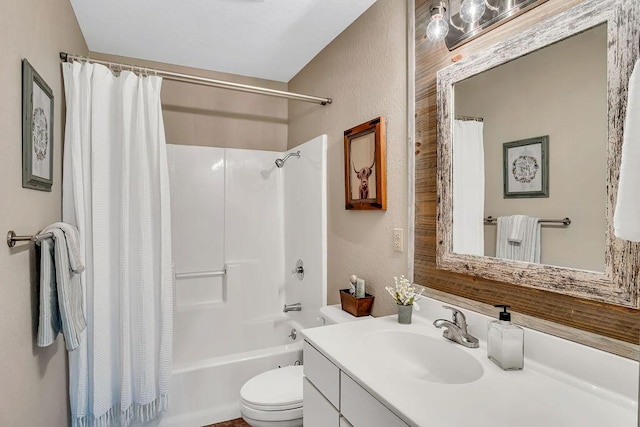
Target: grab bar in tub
201	274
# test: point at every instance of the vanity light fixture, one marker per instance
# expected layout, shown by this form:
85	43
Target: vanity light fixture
459	21
438	26
472	10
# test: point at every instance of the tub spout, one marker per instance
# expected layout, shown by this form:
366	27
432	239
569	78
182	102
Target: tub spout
292	307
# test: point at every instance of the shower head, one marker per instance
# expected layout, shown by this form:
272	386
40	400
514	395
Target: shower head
280	162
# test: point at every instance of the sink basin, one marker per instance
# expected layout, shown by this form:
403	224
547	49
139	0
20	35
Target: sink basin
421	357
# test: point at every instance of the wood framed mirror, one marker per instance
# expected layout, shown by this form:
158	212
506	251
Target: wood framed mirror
615	280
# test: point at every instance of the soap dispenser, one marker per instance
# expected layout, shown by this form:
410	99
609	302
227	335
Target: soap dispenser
505	342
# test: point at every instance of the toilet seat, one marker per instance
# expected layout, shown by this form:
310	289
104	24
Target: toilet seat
274	395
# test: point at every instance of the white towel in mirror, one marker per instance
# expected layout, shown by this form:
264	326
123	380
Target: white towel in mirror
626	219
528	249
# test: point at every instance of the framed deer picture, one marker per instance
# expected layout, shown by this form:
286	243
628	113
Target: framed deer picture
365	173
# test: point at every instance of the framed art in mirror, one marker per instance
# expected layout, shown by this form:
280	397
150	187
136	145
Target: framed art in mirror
365	174
37	130
618	283
526	168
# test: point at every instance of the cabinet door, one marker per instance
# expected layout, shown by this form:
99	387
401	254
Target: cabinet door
322	373
362	409
317	411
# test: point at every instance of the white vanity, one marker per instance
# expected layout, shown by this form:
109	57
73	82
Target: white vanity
379	373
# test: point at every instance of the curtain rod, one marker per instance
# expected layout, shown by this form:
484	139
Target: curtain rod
189	78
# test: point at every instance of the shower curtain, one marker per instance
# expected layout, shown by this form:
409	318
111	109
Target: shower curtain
468	187
116	192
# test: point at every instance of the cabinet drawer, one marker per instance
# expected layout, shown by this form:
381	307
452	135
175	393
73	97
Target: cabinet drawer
362	409
322	373
317	410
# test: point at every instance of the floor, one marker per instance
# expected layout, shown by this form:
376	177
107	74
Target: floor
233	423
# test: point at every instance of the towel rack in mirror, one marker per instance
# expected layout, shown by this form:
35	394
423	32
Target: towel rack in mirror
563	221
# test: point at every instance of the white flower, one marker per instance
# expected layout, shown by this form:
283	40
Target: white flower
404	293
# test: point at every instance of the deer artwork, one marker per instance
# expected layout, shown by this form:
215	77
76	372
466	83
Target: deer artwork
363	176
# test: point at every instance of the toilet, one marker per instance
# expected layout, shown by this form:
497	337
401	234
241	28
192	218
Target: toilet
274	398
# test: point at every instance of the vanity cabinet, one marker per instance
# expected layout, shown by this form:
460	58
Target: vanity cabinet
318	411
332	398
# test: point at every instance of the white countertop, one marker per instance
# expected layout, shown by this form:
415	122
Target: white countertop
538	396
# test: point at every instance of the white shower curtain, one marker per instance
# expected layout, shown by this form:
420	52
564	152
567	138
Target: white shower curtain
468	187
116	192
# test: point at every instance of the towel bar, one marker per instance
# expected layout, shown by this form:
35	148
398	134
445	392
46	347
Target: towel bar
564	221
12	238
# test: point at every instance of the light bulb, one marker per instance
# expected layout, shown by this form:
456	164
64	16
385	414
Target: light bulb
472	10
437	29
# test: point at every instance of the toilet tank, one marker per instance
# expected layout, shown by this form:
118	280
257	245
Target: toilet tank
332	314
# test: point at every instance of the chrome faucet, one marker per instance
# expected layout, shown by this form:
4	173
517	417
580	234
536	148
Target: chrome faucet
456	329
292	307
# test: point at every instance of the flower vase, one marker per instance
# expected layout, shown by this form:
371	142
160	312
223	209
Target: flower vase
404	314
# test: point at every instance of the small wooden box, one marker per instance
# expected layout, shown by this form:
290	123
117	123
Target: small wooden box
356	306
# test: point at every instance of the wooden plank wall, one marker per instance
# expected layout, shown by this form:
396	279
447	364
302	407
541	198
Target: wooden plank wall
610	325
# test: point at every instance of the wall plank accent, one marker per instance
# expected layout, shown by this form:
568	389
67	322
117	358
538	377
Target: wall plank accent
605	324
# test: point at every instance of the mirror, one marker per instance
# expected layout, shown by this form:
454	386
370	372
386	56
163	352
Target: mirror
558	93
533	126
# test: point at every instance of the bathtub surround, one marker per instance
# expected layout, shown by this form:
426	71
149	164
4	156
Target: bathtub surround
33	380
240	225
116	192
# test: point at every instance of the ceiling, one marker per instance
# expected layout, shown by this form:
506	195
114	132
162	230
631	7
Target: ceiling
270	39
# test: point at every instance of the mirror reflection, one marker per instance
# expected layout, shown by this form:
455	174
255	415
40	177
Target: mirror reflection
530	144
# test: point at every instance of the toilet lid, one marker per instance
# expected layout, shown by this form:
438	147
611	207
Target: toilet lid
277	388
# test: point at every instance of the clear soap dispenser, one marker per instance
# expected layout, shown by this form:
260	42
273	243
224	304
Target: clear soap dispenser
505	342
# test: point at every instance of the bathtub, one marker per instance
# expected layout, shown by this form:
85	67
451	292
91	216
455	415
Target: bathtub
207	391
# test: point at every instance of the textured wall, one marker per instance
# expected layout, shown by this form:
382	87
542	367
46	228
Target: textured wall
33	381
200	115
364	71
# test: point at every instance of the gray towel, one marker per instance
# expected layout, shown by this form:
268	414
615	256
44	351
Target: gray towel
60	289
72	240
49	321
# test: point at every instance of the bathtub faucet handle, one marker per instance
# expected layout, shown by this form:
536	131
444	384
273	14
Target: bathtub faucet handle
299	270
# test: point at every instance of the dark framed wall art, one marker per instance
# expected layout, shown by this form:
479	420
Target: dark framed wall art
365	174
37	130
526	168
